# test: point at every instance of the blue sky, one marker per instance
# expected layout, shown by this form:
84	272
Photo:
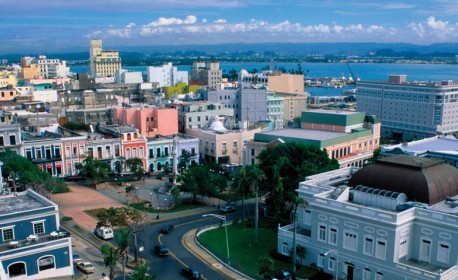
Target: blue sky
56	24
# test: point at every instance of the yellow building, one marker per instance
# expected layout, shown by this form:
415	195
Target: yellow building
31	72
7	78
103	63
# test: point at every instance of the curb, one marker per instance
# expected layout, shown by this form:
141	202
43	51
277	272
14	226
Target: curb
192	235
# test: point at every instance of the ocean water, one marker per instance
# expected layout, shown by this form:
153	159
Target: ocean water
365	71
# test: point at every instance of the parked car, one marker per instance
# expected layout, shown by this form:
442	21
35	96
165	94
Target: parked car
167	228
85	267
161	250
76	259
228	209
191	273
104	232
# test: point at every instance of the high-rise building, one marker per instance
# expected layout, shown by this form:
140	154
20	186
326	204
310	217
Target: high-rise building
166	75
103	63
410	110
207	73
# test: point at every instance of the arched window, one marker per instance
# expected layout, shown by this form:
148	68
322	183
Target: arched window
46	262
129	137
151	167
17	269
159	166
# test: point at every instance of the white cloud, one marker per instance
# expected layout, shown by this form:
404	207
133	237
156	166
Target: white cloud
172	21
434	29
437	24
220	30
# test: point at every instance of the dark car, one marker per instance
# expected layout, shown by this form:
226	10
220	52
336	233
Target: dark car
167	228
191	273
228	209
161	250
282	275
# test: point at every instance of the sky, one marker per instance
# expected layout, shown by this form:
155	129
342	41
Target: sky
69	24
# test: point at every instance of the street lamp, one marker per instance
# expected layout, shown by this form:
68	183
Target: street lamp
223	218
151	200
336	252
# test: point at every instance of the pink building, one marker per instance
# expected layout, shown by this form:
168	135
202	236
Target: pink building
149	121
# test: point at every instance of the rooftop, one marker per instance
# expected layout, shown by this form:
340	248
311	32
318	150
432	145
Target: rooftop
304	133
20	202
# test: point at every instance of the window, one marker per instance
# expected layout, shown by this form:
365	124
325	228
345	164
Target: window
322	233
443	252
332	263
350	241
403	247
12	139
368	246
285	248
333	236
320	260
366	274
16	269
380	249
38	227
425	250
379	276
45	263
8	233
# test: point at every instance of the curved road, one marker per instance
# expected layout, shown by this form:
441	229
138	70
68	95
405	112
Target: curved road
169	267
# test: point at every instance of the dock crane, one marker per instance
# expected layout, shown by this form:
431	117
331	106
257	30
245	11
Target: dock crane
353	78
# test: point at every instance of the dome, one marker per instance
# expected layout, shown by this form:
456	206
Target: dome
217	125
424	180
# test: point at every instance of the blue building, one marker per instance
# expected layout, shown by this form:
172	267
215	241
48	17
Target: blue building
31	245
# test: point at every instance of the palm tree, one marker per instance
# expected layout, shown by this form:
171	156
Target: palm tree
255	175
297	202
141	272
123	243
242	186
110	258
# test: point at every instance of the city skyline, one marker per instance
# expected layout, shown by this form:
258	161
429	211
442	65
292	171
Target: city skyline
57	25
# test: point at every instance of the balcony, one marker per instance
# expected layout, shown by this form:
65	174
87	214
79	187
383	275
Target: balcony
302	234
224	151
29	242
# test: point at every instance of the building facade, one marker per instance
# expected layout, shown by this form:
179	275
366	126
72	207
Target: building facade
207	73
103	63
149	120
31	247
354	230
410	110
348	137
166	75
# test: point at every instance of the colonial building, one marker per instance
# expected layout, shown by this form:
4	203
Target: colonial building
221	145
31	246
394	219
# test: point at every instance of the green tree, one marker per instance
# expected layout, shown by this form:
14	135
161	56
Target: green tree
267	266
197	180
141	272
286	165
136	167
124	217
24	173
94	170
110	258
184	160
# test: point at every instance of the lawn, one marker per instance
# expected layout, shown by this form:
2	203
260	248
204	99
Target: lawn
245	254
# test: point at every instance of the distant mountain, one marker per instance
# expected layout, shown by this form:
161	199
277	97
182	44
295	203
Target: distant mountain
260	50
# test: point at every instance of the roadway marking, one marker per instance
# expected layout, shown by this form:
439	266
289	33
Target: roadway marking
217	265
